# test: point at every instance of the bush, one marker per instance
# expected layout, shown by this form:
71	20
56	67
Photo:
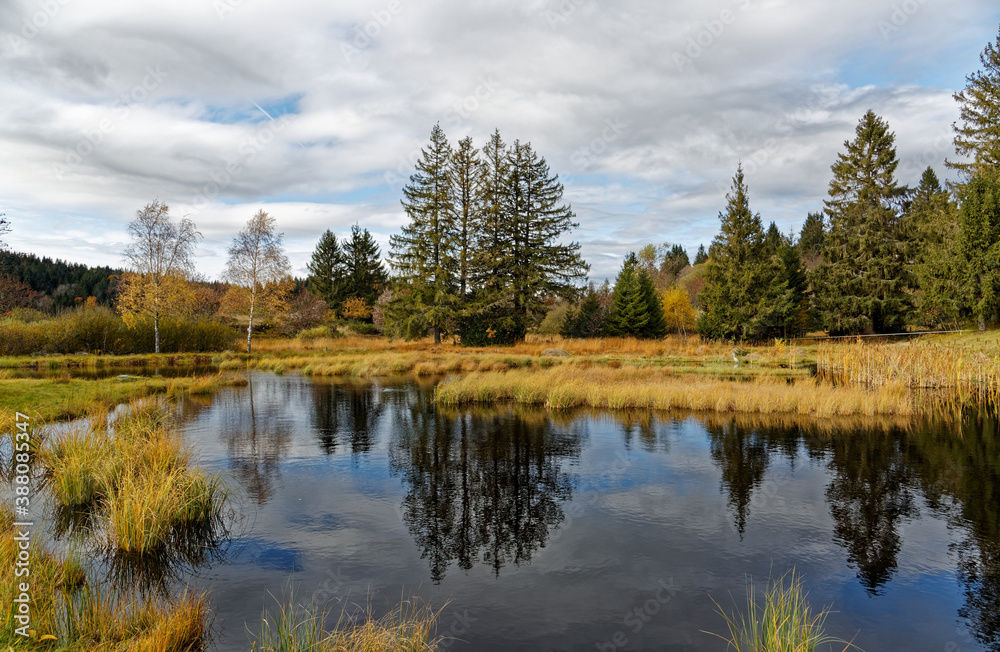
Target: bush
496	326
99	329
318	332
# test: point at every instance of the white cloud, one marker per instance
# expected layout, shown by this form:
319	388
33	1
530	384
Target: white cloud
108	105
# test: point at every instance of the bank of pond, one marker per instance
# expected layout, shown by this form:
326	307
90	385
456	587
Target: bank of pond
288	511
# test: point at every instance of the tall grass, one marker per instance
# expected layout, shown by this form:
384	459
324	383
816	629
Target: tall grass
933	364
651	388
71	611
134	474
408	628
780	620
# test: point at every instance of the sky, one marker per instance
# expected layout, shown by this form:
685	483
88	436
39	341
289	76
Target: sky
316	111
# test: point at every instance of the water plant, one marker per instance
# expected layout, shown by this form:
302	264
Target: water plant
779	620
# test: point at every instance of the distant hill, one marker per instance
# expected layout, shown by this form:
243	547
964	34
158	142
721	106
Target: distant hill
60	284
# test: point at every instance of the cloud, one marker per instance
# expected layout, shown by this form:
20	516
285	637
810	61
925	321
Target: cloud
316	111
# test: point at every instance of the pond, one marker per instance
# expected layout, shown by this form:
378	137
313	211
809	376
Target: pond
584	531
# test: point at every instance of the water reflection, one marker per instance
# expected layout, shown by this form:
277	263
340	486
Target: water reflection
257	432
346	415
481	486
488	488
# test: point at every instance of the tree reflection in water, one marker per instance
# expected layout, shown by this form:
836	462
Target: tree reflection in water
482	486
257	434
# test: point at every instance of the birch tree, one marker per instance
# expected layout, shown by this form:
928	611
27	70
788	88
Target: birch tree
159	260
258	269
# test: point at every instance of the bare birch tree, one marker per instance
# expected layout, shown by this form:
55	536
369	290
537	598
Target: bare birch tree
4	228
258	268
159	259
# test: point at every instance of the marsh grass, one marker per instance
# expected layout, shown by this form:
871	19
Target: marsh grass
55	399
780	620
650	388
289	628
966	367
135	477
73	612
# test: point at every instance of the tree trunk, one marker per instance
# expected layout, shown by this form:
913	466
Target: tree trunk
253	297
982	322
156	332
437	334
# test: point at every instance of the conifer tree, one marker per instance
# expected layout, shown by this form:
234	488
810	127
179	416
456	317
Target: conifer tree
326	271
466	175
862	284
490	260
588	319
701	256
540	265
979	245
811	239
746	297
423	256
932	224
629	304
656	324
364	276
978	136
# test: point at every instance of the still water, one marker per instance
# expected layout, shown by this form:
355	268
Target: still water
597	531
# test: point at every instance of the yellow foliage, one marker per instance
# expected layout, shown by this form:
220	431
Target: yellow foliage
677	310
154	294
356	308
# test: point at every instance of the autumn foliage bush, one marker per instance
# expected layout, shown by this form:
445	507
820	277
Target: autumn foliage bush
99	329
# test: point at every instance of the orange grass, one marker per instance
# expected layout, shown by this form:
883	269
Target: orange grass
633	388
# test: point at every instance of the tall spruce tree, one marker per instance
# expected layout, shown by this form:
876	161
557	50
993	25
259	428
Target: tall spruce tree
629	304
326	271
979	245
932	224
701	256
863	284
424	255
588	319
490	262
364	275
466	174
746	297
540	265
811	239
978	135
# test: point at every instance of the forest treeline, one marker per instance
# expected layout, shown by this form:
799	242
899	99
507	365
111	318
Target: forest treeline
486	256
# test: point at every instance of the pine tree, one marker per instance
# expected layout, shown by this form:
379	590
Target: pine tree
932	226
423	256
745	297
701	256
656	324
490	261
978	137
466	174
862	284
364	276
326	271
540	266
629	304
588	319
979	245
812	239
796	318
